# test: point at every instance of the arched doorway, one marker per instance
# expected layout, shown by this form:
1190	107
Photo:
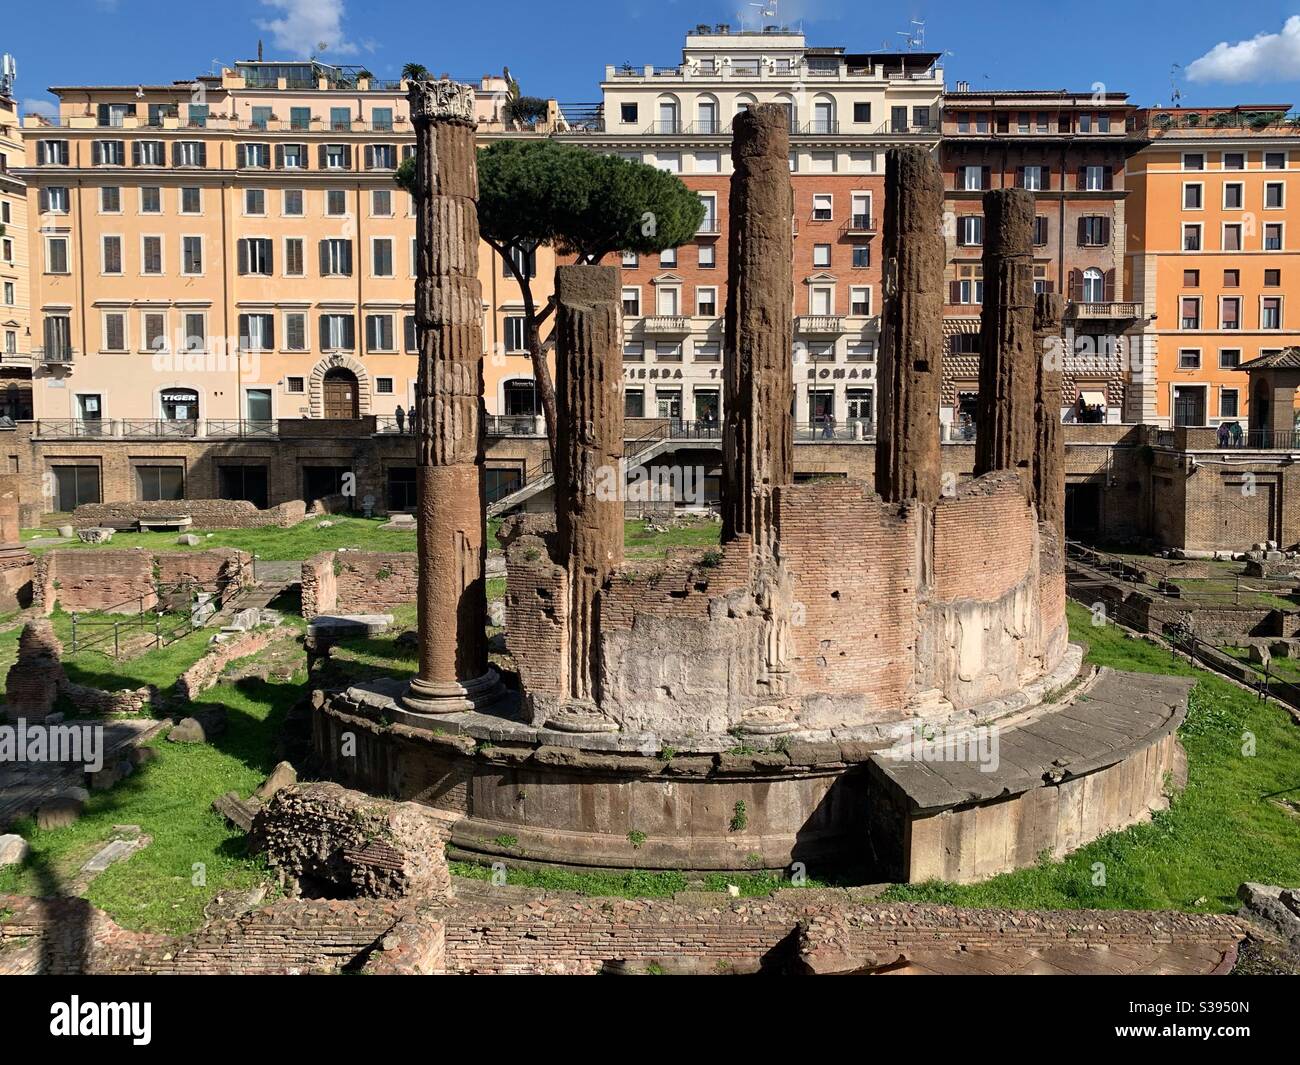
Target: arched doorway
342	396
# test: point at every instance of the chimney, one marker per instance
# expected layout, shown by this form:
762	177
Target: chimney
259	49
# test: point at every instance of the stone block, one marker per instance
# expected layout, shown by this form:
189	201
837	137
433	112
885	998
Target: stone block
95	535
13	849
201	728
61	811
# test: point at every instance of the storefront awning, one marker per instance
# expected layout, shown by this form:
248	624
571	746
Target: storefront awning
1093	399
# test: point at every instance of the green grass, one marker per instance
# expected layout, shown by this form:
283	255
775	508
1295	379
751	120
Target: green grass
1225	828
632	884
641	543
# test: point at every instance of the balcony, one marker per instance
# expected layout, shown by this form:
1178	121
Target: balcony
76	428
859	225
241	428
54	356
153	428
819	324
667	324
1104	312
710	227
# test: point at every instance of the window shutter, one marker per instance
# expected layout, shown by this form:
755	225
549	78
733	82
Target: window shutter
279	157
1083	178
1049	286
409	329
268	335
372	331
1020	177
1110	286
347	258
1047	177
176	153
986	177
202	153
370	157
241	248
135	153
241	156
1105	229
324	258
268	247
44	200
326	341
350	331
243	330
320	157
1083	232
1076	285
347	157
954	291
1108	177
97	152
408	150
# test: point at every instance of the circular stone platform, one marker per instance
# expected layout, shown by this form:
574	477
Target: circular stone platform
1074	768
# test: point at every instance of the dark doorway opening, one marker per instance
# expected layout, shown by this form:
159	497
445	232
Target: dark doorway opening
243	482
1082	511
321	481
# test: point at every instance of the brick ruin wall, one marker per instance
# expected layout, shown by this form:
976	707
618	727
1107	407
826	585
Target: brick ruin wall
566	935
358	582
126	581
205	513
537	618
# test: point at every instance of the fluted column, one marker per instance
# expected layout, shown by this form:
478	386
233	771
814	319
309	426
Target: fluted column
757	433
589	475
908	464
452	596
1049	440
1006	430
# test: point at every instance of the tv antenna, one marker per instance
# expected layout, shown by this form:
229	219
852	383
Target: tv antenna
915	37
1175	93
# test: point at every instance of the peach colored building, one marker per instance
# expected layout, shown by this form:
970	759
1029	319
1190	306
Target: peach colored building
216	254
15	298
1214	252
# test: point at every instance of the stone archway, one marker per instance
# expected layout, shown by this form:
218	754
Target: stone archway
316	384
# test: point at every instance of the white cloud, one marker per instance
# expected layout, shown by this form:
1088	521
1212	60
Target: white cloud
304	25
36	106
1265	57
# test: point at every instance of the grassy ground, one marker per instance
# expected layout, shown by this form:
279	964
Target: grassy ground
640	542
1230	825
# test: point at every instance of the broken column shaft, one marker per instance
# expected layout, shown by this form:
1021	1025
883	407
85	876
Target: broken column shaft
911	350
1006	428
1049	440
452	596
757	436
589	476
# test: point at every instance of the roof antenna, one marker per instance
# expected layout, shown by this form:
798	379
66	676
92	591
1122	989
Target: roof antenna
259	49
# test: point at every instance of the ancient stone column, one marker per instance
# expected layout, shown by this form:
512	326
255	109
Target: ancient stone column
589	475
757	432
911	343
452	604
1006	427
1049	440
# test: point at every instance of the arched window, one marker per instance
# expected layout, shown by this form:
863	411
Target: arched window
707	117
823	115
786	101
667	120
521	397
180	404
1094	286
744	101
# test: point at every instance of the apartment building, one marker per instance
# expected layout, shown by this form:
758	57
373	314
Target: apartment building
1071	150
1214	252
846	109
218	253
15	321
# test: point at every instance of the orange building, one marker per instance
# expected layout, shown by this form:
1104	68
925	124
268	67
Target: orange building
1213	253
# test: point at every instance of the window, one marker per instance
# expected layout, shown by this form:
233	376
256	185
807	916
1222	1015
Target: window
337	332
244	482
629	260
633	351
300	118
634	403
294	385
195	326
54	200
1233	196
255	256
51	153
1229	358
256	156
861	256
861	351
256	332
1270	312
1193	197
1192	278
295	339
111	257
191	200
336	202
1273	236
706	302
632	302
1191	312
379	332
294	258
1031	177
1230	312
1040	230
1095	178
1272	278
708	256
860	302
115	332
75	485
336	156
968	287
1275	160
525	263
381	157
1094	286
821	255
336	257
155	331
1232	278
261	117
1193	161
708	351
516	336
384	386
108	153
821	300
668	257
56	255
1232	236
292	156
410	340
381	118
255	201
1192	236
382	257
823	207
57	329
1234	161
1094	231
1274	195
970	230
160	482
292	203
669	162
708	163
381	203
196	115
1227	402
340	118
973	178
628	112
191	255
150	199
190	153
1189	359
861	110
110	200
667	300
668	351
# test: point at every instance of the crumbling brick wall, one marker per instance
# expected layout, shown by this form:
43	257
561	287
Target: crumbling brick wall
205	513
358	582
127	581
537	619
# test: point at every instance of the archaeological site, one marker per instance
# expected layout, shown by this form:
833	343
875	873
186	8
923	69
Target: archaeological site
977	681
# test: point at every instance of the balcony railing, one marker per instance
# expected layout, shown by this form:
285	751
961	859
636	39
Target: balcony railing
75	428
55	356
860	223
710	227
822	127
829	430
670	324
819	324
241	427
159	427
1108	311
514	425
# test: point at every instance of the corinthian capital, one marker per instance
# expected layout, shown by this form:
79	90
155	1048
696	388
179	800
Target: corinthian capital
441	101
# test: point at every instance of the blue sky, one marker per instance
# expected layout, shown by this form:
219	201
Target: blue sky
1243	52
